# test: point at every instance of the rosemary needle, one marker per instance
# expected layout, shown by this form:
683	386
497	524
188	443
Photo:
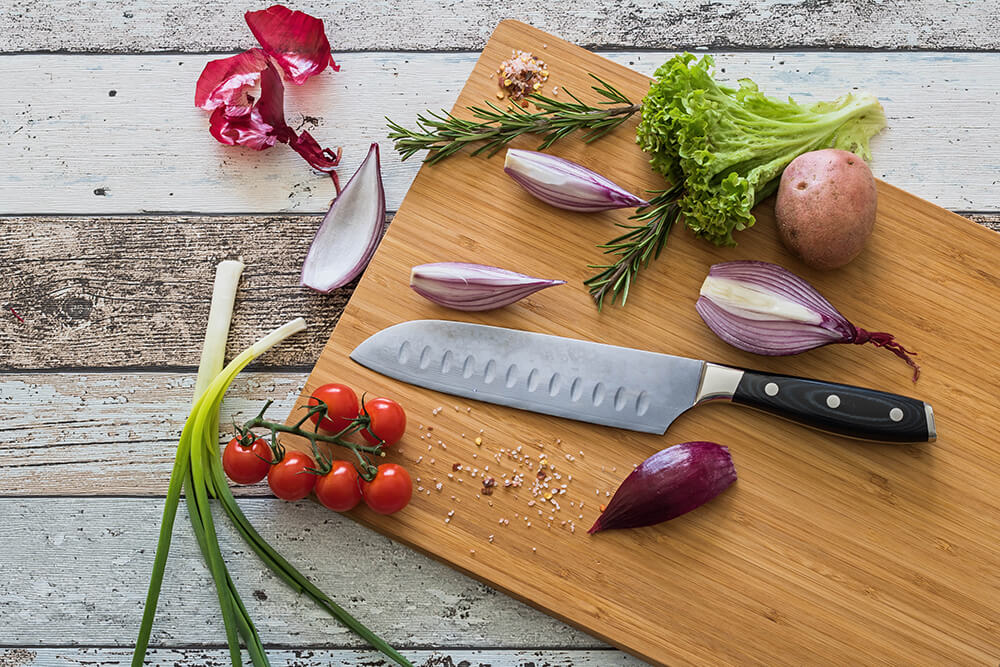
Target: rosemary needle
636	247
443	134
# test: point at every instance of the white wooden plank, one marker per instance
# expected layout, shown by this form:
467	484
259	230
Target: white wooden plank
146	25
77	657
111	433
75	574
68	146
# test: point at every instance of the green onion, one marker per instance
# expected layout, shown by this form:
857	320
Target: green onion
198	470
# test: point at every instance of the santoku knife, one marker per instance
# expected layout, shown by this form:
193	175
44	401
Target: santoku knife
622	387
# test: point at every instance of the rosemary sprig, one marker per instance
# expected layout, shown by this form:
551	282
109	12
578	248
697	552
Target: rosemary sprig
444	135
634	249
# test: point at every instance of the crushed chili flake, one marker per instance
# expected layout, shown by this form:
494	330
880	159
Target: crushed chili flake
14	313
521	75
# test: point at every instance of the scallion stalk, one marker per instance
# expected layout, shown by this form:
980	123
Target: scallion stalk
198	471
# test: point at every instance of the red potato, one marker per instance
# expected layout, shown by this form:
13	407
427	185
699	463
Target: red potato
825	207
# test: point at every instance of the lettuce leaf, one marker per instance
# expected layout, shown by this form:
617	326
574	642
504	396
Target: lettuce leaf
728	146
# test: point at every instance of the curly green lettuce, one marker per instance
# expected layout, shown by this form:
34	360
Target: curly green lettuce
729	146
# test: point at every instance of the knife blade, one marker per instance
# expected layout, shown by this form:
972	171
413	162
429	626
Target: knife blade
622	387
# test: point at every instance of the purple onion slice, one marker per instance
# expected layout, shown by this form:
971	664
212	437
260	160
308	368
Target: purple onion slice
350	232
671	482
473	287
763	308
566	184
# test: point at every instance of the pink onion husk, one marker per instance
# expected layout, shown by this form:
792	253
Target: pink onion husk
473	287
296	43
771	334
565	184
226	82
670	483
295	40
350	231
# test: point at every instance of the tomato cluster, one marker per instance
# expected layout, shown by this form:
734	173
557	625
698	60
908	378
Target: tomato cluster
294	475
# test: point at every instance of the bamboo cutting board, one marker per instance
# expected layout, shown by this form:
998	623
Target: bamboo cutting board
826	549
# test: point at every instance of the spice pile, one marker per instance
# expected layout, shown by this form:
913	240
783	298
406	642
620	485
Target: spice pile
521	75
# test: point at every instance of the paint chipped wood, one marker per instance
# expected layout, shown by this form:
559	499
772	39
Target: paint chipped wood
111	433
323	657
85	582
147	149
127	26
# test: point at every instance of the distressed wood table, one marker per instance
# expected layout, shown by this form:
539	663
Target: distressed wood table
117	204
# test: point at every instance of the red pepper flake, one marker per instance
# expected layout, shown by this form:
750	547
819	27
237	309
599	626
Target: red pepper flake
521	75
602	507
14	312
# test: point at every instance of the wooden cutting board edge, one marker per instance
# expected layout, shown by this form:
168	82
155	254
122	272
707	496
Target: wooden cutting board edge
458	561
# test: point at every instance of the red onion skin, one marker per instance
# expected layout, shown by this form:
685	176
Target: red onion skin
778	337
670	483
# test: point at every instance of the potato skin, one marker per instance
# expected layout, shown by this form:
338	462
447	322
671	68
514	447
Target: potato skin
825	208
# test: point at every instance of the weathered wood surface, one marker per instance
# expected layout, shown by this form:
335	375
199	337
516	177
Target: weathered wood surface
323	657
127	26
134	292
112	433
123	136
63	136
75	574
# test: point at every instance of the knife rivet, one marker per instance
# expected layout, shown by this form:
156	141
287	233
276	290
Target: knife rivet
771	389
833	401
895	414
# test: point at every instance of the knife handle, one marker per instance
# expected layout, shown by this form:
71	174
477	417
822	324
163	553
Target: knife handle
843	409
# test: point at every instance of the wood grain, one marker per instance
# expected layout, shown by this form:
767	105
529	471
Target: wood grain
85	582
128	26
322	657
123	136
824	546
113	433
135	292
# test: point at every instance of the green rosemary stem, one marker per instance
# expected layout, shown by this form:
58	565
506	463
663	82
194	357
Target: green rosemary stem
633	250
444	135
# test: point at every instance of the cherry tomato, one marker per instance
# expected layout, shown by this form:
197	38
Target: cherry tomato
289	479
390	491
388	421
341	406
246	464
339	489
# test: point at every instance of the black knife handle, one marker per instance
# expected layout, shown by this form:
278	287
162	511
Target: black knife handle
838	408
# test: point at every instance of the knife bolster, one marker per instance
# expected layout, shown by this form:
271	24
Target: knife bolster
718	383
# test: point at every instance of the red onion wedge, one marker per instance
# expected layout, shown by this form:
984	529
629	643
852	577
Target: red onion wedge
350	232
765	309
566	184
473	286
671	482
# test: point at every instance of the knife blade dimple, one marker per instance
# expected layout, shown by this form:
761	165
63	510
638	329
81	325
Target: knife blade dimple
583	380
